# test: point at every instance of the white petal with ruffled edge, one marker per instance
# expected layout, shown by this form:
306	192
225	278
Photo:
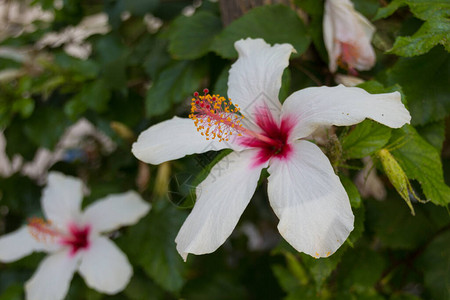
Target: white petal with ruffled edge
221	200
310	201
61	199
342	106
255	78
52	279
18	244
115	211
105	267
173	139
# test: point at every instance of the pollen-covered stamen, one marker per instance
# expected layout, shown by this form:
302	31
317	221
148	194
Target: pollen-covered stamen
76	238
215	117
42	231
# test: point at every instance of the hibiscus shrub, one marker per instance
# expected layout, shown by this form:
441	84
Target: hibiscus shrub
348	185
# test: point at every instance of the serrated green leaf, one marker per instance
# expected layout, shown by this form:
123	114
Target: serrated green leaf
430	34
191	37
384	12
424	82
365	139
273	23
173	85
435	264
423	9
421	161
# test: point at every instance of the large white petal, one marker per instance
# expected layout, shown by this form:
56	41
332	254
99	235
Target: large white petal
342	106
310	201
52	279
172	139
221	199
18	244
61	199
105	267
255	78
115	211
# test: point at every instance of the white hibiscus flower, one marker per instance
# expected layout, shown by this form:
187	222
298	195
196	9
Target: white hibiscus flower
306	195
73	240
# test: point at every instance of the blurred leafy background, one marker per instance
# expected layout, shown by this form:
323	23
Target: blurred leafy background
124	65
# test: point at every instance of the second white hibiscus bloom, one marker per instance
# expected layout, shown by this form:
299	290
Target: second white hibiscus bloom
304	192
74	240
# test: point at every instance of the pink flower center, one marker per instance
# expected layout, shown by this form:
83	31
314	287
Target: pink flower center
77	237
217	117
273	141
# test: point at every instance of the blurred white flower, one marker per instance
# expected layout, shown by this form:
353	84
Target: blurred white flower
152	23
17	17
74	241
74	37
347	35
71	143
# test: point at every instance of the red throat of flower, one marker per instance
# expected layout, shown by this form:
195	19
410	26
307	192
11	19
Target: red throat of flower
216	117
77	238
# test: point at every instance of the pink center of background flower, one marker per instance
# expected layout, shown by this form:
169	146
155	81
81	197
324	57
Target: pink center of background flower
78	238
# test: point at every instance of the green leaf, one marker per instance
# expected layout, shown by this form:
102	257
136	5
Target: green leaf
151	243
46	126
139	7
24	106
432	33
365	139
433	133
424	82
352	191
359	228
96	95
435	264
315	11
191	37
395	227
422	9
13	292
173	85
221	85
421	161
353	276
321	268
273	23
